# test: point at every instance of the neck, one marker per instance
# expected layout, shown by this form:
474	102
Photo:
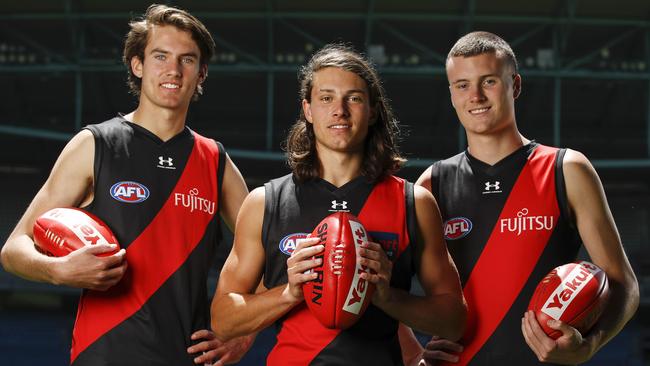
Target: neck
340	168
164	123
491	148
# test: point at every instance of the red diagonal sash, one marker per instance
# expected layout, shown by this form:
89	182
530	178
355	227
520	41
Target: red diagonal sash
513	249
157	253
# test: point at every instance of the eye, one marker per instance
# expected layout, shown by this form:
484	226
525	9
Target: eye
159	56
490	82
355	99
187	60
461	86
325	98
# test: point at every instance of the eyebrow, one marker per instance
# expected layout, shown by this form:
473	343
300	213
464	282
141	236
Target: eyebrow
362	91
480	77
160	50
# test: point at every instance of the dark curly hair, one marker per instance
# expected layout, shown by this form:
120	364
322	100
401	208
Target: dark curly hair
382	156
136	39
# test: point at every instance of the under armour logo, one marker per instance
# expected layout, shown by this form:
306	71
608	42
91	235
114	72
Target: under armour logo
165	163
492	187
343	205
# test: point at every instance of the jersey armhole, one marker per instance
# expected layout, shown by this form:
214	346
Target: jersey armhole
560	188
435	179
97	160
221	167
411	225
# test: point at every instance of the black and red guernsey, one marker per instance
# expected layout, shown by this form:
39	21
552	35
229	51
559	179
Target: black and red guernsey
506	226
161	200
292	210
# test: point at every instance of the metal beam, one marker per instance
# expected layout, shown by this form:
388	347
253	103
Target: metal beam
347	16
413	43
369	21
590	56
34	132
308	36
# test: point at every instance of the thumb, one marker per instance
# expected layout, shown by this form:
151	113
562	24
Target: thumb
100	248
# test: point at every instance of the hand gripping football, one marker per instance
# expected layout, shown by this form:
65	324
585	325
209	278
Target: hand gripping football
338	296
574	293
61	231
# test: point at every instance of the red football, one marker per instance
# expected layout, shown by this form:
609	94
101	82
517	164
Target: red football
574	293
338	296
61	231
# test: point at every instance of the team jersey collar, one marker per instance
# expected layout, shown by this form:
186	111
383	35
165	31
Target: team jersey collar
139	129
517	157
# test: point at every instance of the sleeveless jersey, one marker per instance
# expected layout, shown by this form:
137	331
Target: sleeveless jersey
506	227
160	199
292	210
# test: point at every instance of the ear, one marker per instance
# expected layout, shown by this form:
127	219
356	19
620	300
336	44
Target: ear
203	73
516	86
136	66
306	109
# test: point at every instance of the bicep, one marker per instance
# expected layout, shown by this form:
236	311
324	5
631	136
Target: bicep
592	215
437	274
234	192
68	185
244	267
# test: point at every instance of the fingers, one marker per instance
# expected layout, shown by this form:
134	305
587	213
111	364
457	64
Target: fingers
440	349
373	257
442	343
203	334
209	349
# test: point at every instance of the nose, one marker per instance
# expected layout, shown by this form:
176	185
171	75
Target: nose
174	69
340	108
476	94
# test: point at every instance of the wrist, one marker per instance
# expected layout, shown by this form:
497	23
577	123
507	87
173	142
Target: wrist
289	298
53	270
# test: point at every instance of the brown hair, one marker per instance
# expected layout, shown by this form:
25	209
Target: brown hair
382	156
477	43
136	39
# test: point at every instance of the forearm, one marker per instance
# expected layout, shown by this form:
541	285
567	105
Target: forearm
411	347
623	303
21	258
236	315
442	315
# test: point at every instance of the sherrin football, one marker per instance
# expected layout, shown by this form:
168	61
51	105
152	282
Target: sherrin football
574	293
60	231
338	296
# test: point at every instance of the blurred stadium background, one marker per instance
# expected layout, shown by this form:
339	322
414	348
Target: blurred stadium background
585	66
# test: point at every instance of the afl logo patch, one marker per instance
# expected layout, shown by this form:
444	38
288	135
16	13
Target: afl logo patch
457	228
289	242
129	192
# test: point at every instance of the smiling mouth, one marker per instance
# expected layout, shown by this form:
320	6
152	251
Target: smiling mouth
170	86
339	126
479	110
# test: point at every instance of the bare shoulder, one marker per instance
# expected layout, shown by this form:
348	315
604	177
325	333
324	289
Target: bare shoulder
423	196
578	170
425	179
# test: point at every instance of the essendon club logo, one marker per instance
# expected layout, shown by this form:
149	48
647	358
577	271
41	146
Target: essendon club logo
457	227
129	192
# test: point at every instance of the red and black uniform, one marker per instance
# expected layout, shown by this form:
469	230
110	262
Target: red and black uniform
292	210
506	225
160	198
